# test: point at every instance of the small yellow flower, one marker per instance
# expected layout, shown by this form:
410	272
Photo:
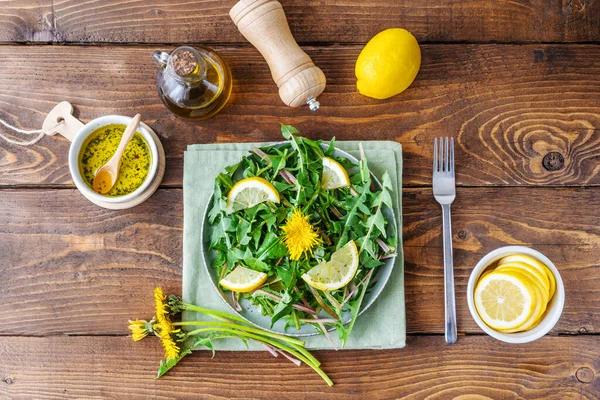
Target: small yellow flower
164	333
299	235
161	308
139	329
163	326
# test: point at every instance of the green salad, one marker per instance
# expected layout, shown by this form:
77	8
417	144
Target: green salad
300	233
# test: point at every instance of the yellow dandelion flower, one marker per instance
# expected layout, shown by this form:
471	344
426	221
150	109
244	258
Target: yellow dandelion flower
299	235
139	329
161	308
164	333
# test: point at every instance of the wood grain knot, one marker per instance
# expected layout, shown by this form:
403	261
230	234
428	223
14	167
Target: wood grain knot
578	5
462	235
553	161
9	380
584	375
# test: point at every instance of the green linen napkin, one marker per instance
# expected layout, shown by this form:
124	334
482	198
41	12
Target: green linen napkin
382	326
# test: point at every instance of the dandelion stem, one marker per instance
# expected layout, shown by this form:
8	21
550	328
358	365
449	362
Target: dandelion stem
219	315
321	320
298	307
319	300
353	292
296	322
273	343
312	199
240	327
332	300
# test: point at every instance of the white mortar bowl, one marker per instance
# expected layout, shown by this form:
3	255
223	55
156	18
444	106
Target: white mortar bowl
555	307
80	139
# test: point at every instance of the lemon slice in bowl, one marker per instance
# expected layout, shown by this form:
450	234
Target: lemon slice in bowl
540	279
540	309
505	299
243	279
334	175
534	264
337	272
249	192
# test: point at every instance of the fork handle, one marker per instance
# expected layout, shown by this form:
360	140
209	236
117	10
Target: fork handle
450	305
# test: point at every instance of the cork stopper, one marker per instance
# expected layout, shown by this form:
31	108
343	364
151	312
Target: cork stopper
184	62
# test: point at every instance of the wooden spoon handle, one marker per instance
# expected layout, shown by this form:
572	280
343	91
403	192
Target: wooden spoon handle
127	135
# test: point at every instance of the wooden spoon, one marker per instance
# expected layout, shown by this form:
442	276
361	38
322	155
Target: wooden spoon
106	175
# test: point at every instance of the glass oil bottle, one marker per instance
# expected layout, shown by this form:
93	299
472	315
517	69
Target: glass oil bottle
193	82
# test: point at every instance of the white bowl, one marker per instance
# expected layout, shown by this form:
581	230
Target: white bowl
555	307
78	142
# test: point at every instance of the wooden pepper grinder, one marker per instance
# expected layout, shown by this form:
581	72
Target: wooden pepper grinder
264	24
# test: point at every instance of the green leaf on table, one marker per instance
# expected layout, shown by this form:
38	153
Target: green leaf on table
166	365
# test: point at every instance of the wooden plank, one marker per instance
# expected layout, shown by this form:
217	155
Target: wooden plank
70	267
337	21
508	106
26	21
116	367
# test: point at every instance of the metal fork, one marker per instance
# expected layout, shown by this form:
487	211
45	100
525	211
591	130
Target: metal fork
444	191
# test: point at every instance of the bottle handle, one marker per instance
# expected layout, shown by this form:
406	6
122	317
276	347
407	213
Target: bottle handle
161	58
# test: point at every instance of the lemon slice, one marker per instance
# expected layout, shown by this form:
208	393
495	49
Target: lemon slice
243	279
337	272
334	175
505	299
540	309
540	279
535	264
249	192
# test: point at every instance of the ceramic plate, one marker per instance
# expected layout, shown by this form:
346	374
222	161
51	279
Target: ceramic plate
252	313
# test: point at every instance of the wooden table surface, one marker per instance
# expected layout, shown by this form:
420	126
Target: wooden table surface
512	81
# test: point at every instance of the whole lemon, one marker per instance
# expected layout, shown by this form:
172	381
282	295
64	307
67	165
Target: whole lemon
388	64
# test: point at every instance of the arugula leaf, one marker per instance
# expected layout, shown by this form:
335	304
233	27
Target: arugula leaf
204	342
271	248
288	131
354	306
287	274
352	216
330	148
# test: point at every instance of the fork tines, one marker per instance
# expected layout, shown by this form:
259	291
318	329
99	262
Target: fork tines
443	155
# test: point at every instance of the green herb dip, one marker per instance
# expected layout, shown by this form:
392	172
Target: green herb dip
100	147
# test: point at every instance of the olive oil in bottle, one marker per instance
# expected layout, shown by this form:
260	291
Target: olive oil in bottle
193	82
